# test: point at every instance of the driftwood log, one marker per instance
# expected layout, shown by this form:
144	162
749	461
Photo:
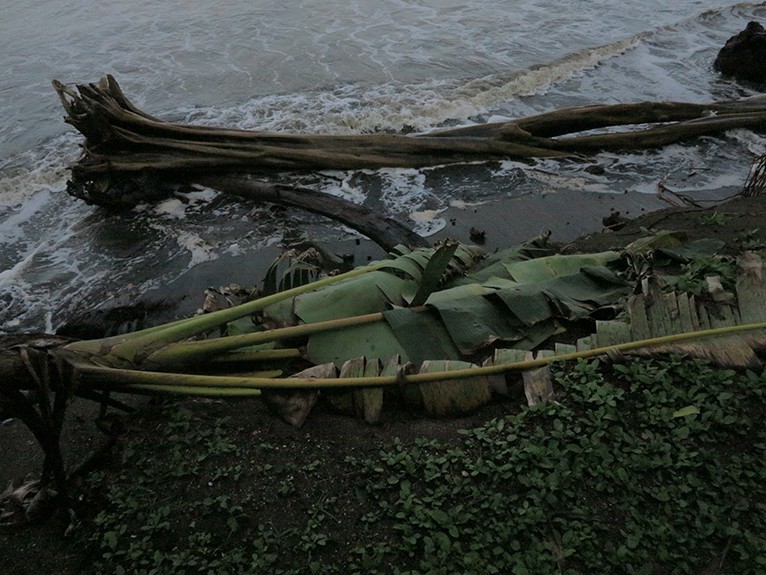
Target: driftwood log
383	230
128	152
121	139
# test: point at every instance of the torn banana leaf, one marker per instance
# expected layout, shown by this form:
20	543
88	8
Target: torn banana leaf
413	274
549	267
496	264
466	319
656	313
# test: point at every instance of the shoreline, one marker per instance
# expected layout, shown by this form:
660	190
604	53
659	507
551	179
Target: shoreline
505	222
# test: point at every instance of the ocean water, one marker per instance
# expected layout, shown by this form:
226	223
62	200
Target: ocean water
327	67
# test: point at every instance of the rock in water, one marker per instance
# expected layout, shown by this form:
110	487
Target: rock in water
744	56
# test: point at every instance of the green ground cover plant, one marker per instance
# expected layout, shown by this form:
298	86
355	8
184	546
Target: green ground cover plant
648	466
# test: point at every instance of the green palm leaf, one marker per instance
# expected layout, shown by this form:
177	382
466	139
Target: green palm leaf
460	321
404	280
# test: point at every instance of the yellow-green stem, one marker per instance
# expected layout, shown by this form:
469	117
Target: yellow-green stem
584	354
203	391
115	378
90	375
121	377
128	347
247	356
190	352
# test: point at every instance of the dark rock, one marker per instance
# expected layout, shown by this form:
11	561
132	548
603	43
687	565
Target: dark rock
744	56
595	169
614	221
478	236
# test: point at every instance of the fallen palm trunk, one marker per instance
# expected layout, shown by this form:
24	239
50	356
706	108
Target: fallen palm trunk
163	359
34	391
439	389
122	139
120	192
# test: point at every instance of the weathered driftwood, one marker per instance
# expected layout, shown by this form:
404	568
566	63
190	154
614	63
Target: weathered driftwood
120	139
384	231
128	153
111	125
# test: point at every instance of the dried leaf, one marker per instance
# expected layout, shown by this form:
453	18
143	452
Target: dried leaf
538	385
453	396
294	406
41	504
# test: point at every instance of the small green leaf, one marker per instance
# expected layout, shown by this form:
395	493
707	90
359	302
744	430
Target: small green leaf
442	541
233	524
433	272
688	410
439	516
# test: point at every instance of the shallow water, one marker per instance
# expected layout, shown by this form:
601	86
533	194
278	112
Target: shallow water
329	67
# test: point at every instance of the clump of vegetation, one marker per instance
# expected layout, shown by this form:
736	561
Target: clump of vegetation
716	218
751	239
694	273
648	467
651	466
